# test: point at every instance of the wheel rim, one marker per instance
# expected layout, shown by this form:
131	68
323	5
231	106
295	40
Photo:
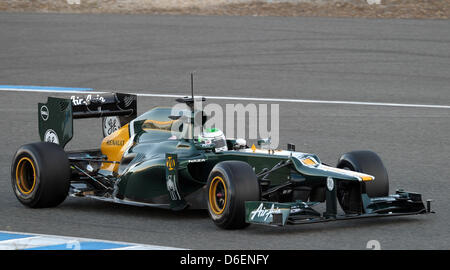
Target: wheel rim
25	175
217	195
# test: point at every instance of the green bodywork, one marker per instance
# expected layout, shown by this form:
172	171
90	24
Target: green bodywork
142	174
161	170
56	115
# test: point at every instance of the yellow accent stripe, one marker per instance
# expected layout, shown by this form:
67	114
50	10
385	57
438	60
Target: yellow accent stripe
308	161
367	178
113	146
158	122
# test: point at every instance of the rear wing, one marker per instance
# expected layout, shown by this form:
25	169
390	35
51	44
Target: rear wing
56	116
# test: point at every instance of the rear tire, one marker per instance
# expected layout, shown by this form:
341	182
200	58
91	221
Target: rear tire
229	185
40	175
365	162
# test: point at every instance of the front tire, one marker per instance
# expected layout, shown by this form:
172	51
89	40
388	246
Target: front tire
349	193
40	175
230	184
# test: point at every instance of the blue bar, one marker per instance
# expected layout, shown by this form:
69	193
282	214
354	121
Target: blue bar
52	88
90	245
9	236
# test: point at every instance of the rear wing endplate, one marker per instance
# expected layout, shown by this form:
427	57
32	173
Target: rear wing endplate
56	116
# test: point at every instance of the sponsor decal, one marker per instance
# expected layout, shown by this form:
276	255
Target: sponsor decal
45	113
172	177
330	183
115	142
263	213
197	160
110	125
51	136
267	212
76	100
172	188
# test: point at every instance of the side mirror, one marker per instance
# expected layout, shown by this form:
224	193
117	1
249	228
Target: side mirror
264	143
236	144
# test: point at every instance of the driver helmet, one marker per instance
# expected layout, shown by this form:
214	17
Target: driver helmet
215	136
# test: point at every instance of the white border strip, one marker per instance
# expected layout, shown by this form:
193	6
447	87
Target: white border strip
312	101
42	240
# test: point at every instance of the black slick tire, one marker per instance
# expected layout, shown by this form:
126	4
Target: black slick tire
230	184
40	175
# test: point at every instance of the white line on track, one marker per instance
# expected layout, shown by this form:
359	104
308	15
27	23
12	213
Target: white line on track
312	101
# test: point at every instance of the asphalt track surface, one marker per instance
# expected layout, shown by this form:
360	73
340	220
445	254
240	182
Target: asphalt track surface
401	61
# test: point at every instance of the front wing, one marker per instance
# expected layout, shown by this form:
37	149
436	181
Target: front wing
299	212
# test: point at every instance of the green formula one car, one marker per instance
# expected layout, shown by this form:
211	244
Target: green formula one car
141	161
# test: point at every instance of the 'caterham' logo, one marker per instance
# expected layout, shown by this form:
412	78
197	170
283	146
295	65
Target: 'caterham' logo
170	163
